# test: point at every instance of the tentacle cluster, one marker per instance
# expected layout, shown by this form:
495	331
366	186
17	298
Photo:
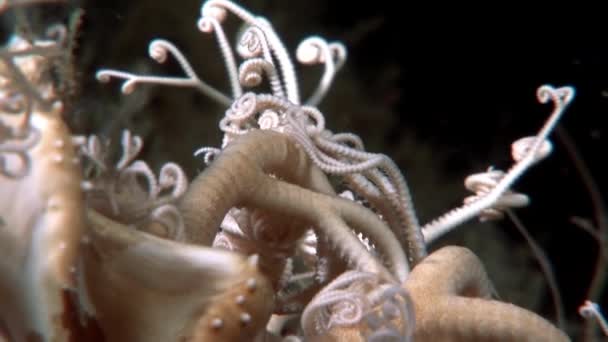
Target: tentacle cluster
374	177
493	187
338	263
129	191
362	302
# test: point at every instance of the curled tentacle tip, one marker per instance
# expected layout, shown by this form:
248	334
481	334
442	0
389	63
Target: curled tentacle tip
205	25
252	42
588	309
309	51
172	176
269	120
214	11
521	147
485	179
209	153
251	72
482	184
200	151
132	144
103	76
564	95
591	310
338	50
158	50
128	87
251	79
242	109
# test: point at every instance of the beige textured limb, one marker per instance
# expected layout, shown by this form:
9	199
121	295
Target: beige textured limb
452	301
42	214
451	294
241	177
144	288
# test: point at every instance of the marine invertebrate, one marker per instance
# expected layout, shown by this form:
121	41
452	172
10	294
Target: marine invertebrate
41	203
453	300
295	246
452	297
211	294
